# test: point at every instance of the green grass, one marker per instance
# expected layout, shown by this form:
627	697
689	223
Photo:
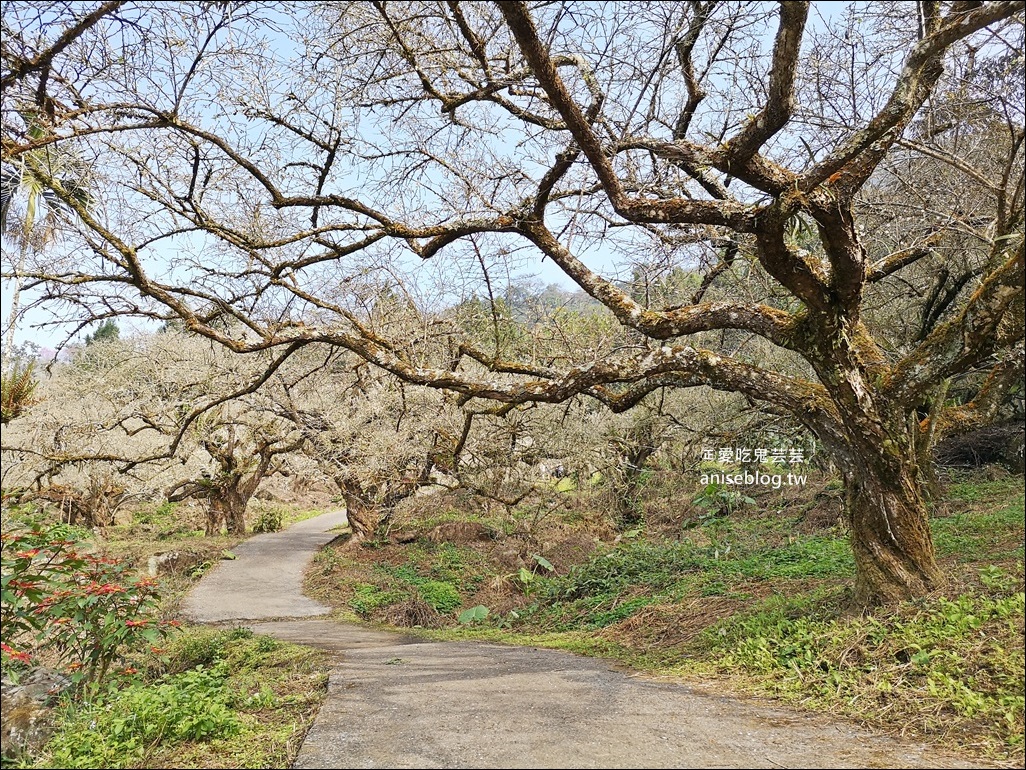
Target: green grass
222	699
443	575
122	728
970	535
615	584
367	597
950	666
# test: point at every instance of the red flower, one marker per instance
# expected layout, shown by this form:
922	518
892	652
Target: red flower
103	590
24	657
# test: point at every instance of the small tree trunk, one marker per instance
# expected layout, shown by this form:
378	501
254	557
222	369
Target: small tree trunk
12	319
923	435
630	512
890	533
628	505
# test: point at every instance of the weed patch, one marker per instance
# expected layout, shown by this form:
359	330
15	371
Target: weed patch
214	699
952	666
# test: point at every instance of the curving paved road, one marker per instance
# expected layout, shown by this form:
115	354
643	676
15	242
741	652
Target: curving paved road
396	701
266	578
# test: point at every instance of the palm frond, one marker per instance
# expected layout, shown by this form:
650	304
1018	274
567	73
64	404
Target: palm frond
17	385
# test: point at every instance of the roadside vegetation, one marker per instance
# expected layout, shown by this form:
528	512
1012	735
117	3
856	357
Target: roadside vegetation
758	600
213	699
95	612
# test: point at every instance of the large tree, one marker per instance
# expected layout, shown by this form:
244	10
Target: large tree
299	171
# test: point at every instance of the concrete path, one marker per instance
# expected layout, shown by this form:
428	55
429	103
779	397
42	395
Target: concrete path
397	701
266	578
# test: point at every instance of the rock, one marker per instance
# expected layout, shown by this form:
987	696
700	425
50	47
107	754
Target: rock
26	707
171	562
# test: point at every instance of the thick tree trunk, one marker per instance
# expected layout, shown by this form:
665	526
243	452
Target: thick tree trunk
361	511
227	504
890	532
235	514
363	518
874	440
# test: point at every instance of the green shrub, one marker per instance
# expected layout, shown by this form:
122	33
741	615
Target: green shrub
119	729
368	597
269	520
719	500
442	596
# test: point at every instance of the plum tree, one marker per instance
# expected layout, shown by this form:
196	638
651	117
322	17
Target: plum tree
347	173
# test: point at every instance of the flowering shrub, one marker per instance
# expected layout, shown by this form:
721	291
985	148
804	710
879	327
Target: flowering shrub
85	609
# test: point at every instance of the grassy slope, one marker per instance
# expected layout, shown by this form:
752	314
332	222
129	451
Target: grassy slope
758	602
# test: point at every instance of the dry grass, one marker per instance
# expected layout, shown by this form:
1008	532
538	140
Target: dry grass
413	612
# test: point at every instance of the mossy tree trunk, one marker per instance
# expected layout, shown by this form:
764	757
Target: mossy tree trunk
874	438
890	529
